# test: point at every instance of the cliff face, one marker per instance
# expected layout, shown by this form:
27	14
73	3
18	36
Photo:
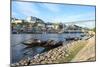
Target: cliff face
87	53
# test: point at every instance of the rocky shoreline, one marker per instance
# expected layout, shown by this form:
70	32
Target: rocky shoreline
61	54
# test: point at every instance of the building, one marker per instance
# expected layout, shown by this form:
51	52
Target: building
49	25
31	19
36	21
16	21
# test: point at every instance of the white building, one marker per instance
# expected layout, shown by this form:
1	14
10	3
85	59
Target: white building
16	21
31	19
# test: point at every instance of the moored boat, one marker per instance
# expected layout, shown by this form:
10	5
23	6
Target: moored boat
46	44
32	42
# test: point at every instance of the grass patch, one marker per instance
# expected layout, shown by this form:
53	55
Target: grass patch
73	50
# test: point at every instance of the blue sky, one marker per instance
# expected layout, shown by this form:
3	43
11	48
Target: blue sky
54	12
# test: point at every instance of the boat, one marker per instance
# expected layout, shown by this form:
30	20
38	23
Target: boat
73	38
46	44
83	35
32	42
52	44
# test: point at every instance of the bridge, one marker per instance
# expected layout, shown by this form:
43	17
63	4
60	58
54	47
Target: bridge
81	21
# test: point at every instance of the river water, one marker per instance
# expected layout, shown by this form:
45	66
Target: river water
19	51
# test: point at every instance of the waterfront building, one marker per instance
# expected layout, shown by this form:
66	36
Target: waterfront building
31	19
35	24
49	25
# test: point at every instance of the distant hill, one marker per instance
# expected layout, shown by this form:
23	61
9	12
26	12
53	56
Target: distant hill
74	27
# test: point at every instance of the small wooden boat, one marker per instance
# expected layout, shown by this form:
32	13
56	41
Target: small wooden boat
32	42
83	35
67	39
52	44
46	44
73	38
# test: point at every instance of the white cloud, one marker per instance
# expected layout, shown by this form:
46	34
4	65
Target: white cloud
26	8
80	17
73	18
51	7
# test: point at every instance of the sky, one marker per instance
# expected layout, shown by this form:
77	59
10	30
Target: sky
50	12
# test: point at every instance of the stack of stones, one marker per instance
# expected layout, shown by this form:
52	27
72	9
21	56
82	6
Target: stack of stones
52	56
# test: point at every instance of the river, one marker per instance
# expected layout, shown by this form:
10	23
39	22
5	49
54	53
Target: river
19	51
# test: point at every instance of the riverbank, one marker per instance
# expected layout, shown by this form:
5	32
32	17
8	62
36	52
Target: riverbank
65	53
87	53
